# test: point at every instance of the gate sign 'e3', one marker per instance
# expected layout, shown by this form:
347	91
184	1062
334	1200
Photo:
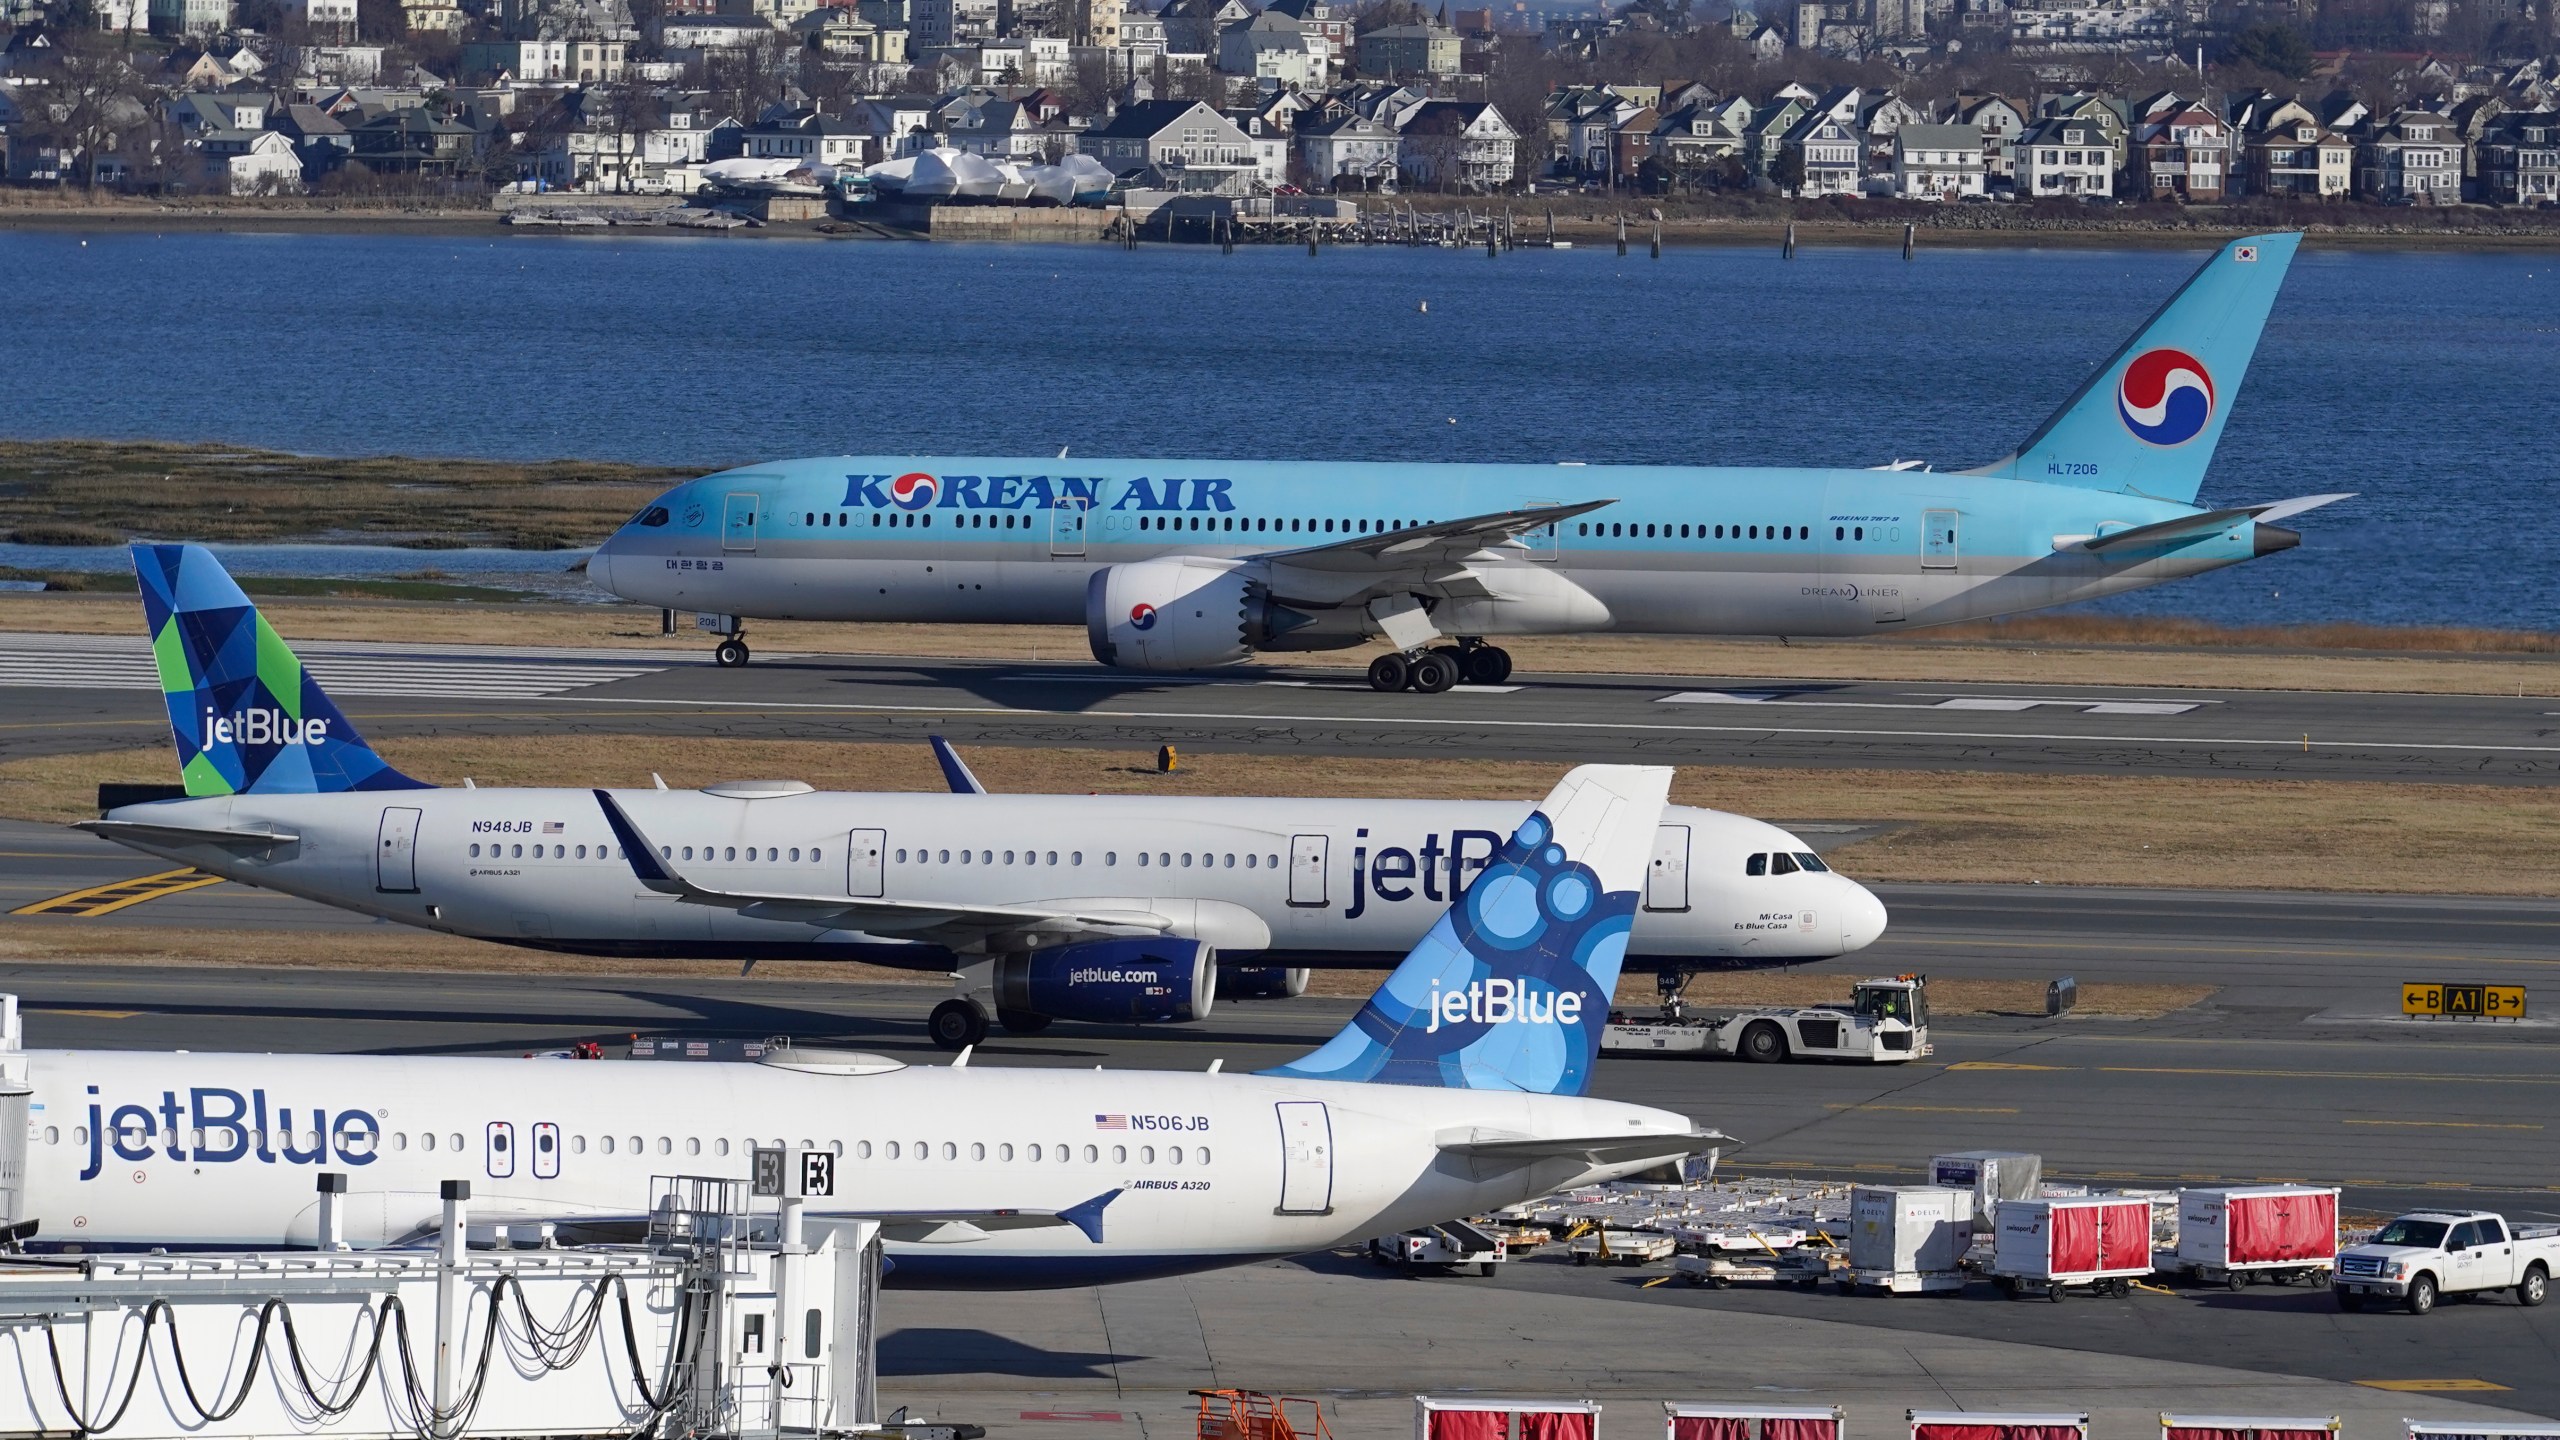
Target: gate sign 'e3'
768	1172
817	1173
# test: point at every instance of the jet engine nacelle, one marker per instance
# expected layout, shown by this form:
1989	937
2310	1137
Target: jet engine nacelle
1145	979
1261	982
1181	612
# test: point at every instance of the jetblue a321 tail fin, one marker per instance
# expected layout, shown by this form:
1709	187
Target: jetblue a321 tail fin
2146	422
1511	988
247	718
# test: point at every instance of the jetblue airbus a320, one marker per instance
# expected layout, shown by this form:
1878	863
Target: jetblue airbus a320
1192	564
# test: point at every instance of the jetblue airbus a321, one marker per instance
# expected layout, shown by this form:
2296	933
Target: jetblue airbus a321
1193	564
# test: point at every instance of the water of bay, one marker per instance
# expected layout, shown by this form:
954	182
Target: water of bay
2421	379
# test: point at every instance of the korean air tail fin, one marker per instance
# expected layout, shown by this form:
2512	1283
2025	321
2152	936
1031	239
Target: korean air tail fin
247	718
1511	988
2146	422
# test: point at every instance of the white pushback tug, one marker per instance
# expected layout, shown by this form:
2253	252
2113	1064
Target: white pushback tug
1885	1022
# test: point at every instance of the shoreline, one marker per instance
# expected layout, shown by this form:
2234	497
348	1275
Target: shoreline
1588	229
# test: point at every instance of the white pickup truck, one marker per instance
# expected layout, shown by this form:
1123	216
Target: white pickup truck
2428	1254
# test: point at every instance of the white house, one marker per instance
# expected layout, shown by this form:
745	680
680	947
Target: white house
1349	149
1273	46
1938	162
2063	156
190	17
318	13
264	163
1457	142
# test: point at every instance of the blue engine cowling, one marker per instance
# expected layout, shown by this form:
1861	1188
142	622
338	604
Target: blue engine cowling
1145	980
1260	982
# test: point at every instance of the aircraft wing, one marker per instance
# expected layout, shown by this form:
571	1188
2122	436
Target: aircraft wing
2207	522
1437	545
1594	1149
148	832
897	917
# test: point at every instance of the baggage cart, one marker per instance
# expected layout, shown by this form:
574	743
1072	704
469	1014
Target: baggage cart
1908	1239
1454	1248
2046	1247
1804	1269
1621	1247
2237	1236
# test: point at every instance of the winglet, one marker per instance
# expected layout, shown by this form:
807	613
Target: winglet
1087	1217
645	865
955	771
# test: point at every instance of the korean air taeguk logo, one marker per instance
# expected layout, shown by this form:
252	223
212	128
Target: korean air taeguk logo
914	492
2165	397
1142	616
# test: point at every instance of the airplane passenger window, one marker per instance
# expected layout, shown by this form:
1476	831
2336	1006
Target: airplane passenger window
1173	1153
1186	859
636	1146
1250	861
688	852
733	854
1861	532
890	1150
426	1139
1811	861
875	522
1146	1154
1092	1154
1782	863
1142	857
693	1144
795	853
668	852
810	518
519	852
1119	1154
1582	529
964	857
815	857
923	1149
475	852
1053	857
1719	532
1231	861
1204	1154
1110	857
1075	857
721	1147
582	852
977	1151
1032	1153
1756	865
950	1151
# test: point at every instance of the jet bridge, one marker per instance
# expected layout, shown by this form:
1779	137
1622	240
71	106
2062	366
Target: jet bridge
723	1323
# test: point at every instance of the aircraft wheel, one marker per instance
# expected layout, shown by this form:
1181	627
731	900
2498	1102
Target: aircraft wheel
731	654
1390	673
957	1024
1434	672
1022	1022
1455	655
1486	665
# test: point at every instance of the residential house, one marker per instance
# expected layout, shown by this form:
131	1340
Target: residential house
196	115
819	139
1272	46
323	14
895	126
2412	158
839	34
412	140
1768	45
1939	162
1182	143
2293	154
2105	112
1192	27
2181	152
319	141
1831	151
1632	145
1766	134
431	17
1102	24
1327	20
585	61
698	37
780	14
1012	130
1346	150
1880	117
318	65
1422	49
263	162
199	69
950	22
2000	120
2520	159
1591	132
2064	156
1270	146
1457	142
2473	119
1695	143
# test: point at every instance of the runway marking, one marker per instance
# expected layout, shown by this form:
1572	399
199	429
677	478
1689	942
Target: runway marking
107	899
116	662
2442	1124
2335	1075
2002	1065
2289	952
91	1014
2433	1386
1938	1109
838	707
2009	704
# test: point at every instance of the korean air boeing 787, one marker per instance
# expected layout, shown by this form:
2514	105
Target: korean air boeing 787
1193	564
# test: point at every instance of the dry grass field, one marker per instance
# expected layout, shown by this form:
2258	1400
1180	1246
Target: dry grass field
1952	826
2082	650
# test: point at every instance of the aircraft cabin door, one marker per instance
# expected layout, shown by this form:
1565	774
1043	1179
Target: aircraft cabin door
1306	1158
1938	548
865	864
502	1150
1666	880
546	1150
395	854
738	522
1306	871
1066	527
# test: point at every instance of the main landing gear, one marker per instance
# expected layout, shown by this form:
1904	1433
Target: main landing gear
1441	667
732	652
960	1022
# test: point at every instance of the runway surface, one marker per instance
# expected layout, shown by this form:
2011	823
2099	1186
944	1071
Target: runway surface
83	692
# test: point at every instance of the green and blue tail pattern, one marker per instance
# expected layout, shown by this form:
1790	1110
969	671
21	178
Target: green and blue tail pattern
246	716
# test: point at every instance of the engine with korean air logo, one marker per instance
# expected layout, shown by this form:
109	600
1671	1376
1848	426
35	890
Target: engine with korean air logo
1147	980
1181	612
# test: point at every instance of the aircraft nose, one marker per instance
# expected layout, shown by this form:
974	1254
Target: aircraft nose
1862	917
600	567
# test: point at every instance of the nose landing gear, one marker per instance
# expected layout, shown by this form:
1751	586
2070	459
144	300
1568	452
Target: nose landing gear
1441	667
732	652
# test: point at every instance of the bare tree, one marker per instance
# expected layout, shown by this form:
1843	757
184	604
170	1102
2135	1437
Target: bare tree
745	79
92	98
627	110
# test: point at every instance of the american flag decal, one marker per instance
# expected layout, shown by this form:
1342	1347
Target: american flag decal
1110	1122
553	827
2245	254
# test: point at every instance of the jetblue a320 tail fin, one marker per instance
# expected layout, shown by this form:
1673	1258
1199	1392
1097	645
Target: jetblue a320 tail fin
246	717
2147	421
1511	988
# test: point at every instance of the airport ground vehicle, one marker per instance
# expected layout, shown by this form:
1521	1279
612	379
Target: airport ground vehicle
1884	1022
1621	1247
2238	1236
1452	1247
2047	1247
2425	1255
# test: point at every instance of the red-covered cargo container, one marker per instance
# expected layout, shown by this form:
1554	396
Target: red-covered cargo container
2237	1235
2039	1247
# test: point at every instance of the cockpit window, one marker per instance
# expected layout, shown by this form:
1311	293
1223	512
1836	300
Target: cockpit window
1782	863
1756	865
651	518
1811	861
